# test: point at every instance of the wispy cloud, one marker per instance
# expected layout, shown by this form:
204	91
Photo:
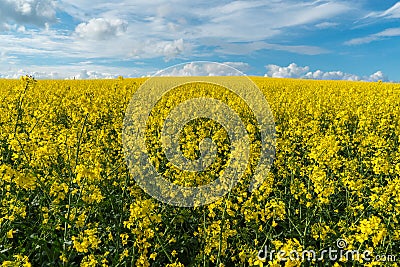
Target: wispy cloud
57	33
326	25
155	29
391	32
247	48
392	12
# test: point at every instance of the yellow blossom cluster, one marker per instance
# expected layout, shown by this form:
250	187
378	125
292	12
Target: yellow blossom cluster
67	197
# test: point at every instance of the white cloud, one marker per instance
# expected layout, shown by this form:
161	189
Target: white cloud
155	48
88	70
36	12
142	29
247	48
250	21
84	70
160	28
378	76
393	12
391	32
295	71
331	75
16	74
172	49
318	10
240	66
326	25
125	47
157	29
101	28
206	69
291	71
84	75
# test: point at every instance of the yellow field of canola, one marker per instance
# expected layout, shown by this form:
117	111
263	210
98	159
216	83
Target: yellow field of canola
68	199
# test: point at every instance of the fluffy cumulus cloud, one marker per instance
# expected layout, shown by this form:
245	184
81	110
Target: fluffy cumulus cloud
84	75
155	48
291	71
171	50
378	76
79	71
331	75
206	69
295	71
35	12
86	70
16	74
101	28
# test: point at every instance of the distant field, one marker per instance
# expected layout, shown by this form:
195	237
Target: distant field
67	198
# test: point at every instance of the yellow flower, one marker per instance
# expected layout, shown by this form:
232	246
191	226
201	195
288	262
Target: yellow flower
124	238
63	258
153	255
124	254
10	234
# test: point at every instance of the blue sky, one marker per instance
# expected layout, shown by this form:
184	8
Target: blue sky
353	40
